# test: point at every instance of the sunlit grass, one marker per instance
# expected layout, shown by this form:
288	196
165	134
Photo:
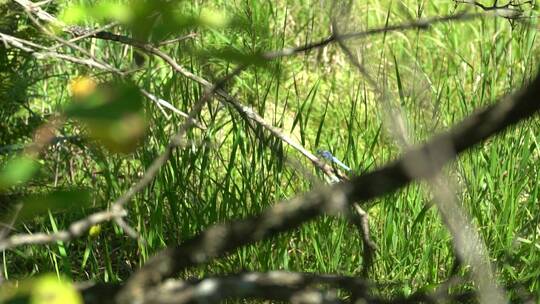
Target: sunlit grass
231	171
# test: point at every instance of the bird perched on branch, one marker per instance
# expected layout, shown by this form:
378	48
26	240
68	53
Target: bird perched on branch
332	159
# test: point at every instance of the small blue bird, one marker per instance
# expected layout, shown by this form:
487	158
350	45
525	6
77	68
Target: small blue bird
328	156
331	158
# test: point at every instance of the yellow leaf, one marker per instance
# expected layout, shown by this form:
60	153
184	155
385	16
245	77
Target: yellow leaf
82	86
213	18
45	289
94	231
48	289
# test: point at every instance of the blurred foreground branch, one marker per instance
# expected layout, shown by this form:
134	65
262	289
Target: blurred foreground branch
293	287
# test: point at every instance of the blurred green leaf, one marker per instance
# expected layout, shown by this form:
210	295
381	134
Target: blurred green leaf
107	102
112	10
45	289
58	200
155	20
148	20
102	11
112	114
73	14
213	19
17	171
122	135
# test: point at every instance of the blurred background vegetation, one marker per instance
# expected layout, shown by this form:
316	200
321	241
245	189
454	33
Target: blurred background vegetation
232	169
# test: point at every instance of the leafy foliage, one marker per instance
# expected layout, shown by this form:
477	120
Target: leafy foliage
16	171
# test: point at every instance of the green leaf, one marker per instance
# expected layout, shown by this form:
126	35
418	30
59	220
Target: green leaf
17	171
112	114
102	11
58	200
45	289
107	102
112	10
213	19
74	14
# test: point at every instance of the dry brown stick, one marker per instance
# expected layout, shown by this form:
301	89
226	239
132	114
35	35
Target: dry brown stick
360	219
274	286
421	162
178	39
40	52
89	34
35	8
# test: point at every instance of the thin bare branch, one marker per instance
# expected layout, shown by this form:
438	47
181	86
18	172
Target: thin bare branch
76	229
33	49
179	39
418	24
511	10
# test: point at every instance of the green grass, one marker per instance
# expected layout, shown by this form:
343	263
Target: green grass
231	171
